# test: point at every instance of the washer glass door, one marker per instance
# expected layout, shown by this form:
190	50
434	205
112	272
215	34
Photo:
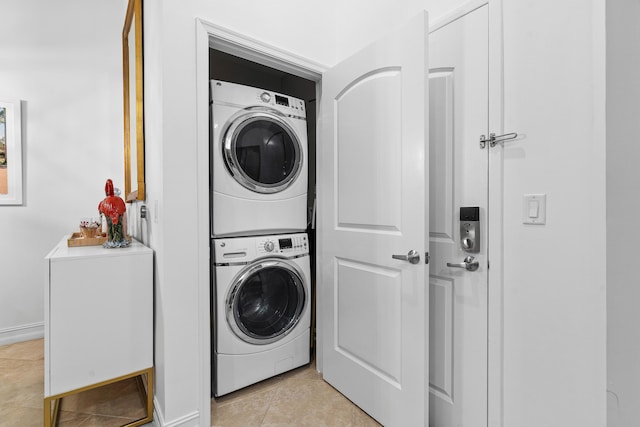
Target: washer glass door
262	151
266	301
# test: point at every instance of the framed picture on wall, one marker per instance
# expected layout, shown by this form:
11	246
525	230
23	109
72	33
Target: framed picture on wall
10	153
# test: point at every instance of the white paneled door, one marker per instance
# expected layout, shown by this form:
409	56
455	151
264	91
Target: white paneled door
458	58
374	204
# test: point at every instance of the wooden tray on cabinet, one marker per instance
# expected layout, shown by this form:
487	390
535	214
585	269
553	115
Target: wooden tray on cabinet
76	239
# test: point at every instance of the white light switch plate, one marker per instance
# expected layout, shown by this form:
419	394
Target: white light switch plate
534	209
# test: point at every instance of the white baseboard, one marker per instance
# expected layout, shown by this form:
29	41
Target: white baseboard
21	333
189	420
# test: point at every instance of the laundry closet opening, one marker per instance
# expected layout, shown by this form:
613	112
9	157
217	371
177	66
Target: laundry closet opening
228	68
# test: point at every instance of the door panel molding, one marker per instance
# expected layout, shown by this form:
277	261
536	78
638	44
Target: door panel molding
369	127
359	335
441	217
441	335
371	75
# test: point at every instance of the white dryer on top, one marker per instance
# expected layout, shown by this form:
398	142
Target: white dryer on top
258	160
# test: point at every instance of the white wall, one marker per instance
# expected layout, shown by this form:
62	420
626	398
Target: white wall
63	59
623	205
359	22
554	277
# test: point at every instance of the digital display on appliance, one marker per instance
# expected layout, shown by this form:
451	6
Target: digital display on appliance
285	243
281	100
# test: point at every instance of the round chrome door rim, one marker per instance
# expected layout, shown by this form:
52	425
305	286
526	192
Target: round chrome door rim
233	317
235	125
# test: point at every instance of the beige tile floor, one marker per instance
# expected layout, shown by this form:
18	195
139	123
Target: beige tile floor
298	398
295	399
22	394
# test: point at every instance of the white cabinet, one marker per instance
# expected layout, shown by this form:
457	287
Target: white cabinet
98	317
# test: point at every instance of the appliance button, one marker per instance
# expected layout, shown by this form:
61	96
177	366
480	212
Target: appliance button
265	97
268	246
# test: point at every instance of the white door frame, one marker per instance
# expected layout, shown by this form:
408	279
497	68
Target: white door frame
495	312
209	35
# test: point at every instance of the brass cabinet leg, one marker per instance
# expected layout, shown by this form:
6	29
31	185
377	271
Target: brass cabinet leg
51	417
47	412
56	412
146	393
150	394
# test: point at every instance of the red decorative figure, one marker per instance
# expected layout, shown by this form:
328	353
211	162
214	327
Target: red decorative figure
113	208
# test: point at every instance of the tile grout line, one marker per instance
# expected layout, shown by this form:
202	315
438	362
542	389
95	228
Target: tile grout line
270	400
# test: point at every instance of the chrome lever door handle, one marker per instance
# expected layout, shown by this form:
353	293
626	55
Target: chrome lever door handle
413	257
468	263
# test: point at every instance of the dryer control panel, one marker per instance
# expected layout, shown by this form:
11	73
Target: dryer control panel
247	96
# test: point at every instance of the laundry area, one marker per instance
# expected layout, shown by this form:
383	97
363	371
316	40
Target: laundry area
382	296
262	182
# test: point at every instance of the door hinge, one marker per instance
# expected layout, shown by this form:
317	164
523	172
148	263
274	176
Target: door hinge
426	258
494	139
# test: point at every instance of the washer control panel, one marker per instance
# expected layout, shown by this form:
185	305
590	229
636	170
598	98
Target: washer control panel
286	244
265	97
269	246
240	250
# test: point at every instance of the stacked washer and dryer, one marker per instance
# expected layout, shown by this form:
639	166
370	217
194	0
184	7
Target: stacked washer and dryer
261	292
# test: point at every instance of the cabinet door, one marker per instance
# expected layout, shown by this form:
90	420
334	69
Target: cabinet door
100	319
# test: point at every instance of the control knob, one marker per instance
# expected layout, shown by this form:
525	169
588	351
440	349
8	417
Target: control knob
268	246
265	97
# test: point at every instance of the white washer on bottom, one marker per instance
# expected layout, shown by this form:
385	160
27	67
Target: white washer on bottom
262	313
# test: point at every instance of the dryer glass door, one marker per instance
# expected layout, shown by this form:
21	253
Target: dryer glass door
262	152
266	301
